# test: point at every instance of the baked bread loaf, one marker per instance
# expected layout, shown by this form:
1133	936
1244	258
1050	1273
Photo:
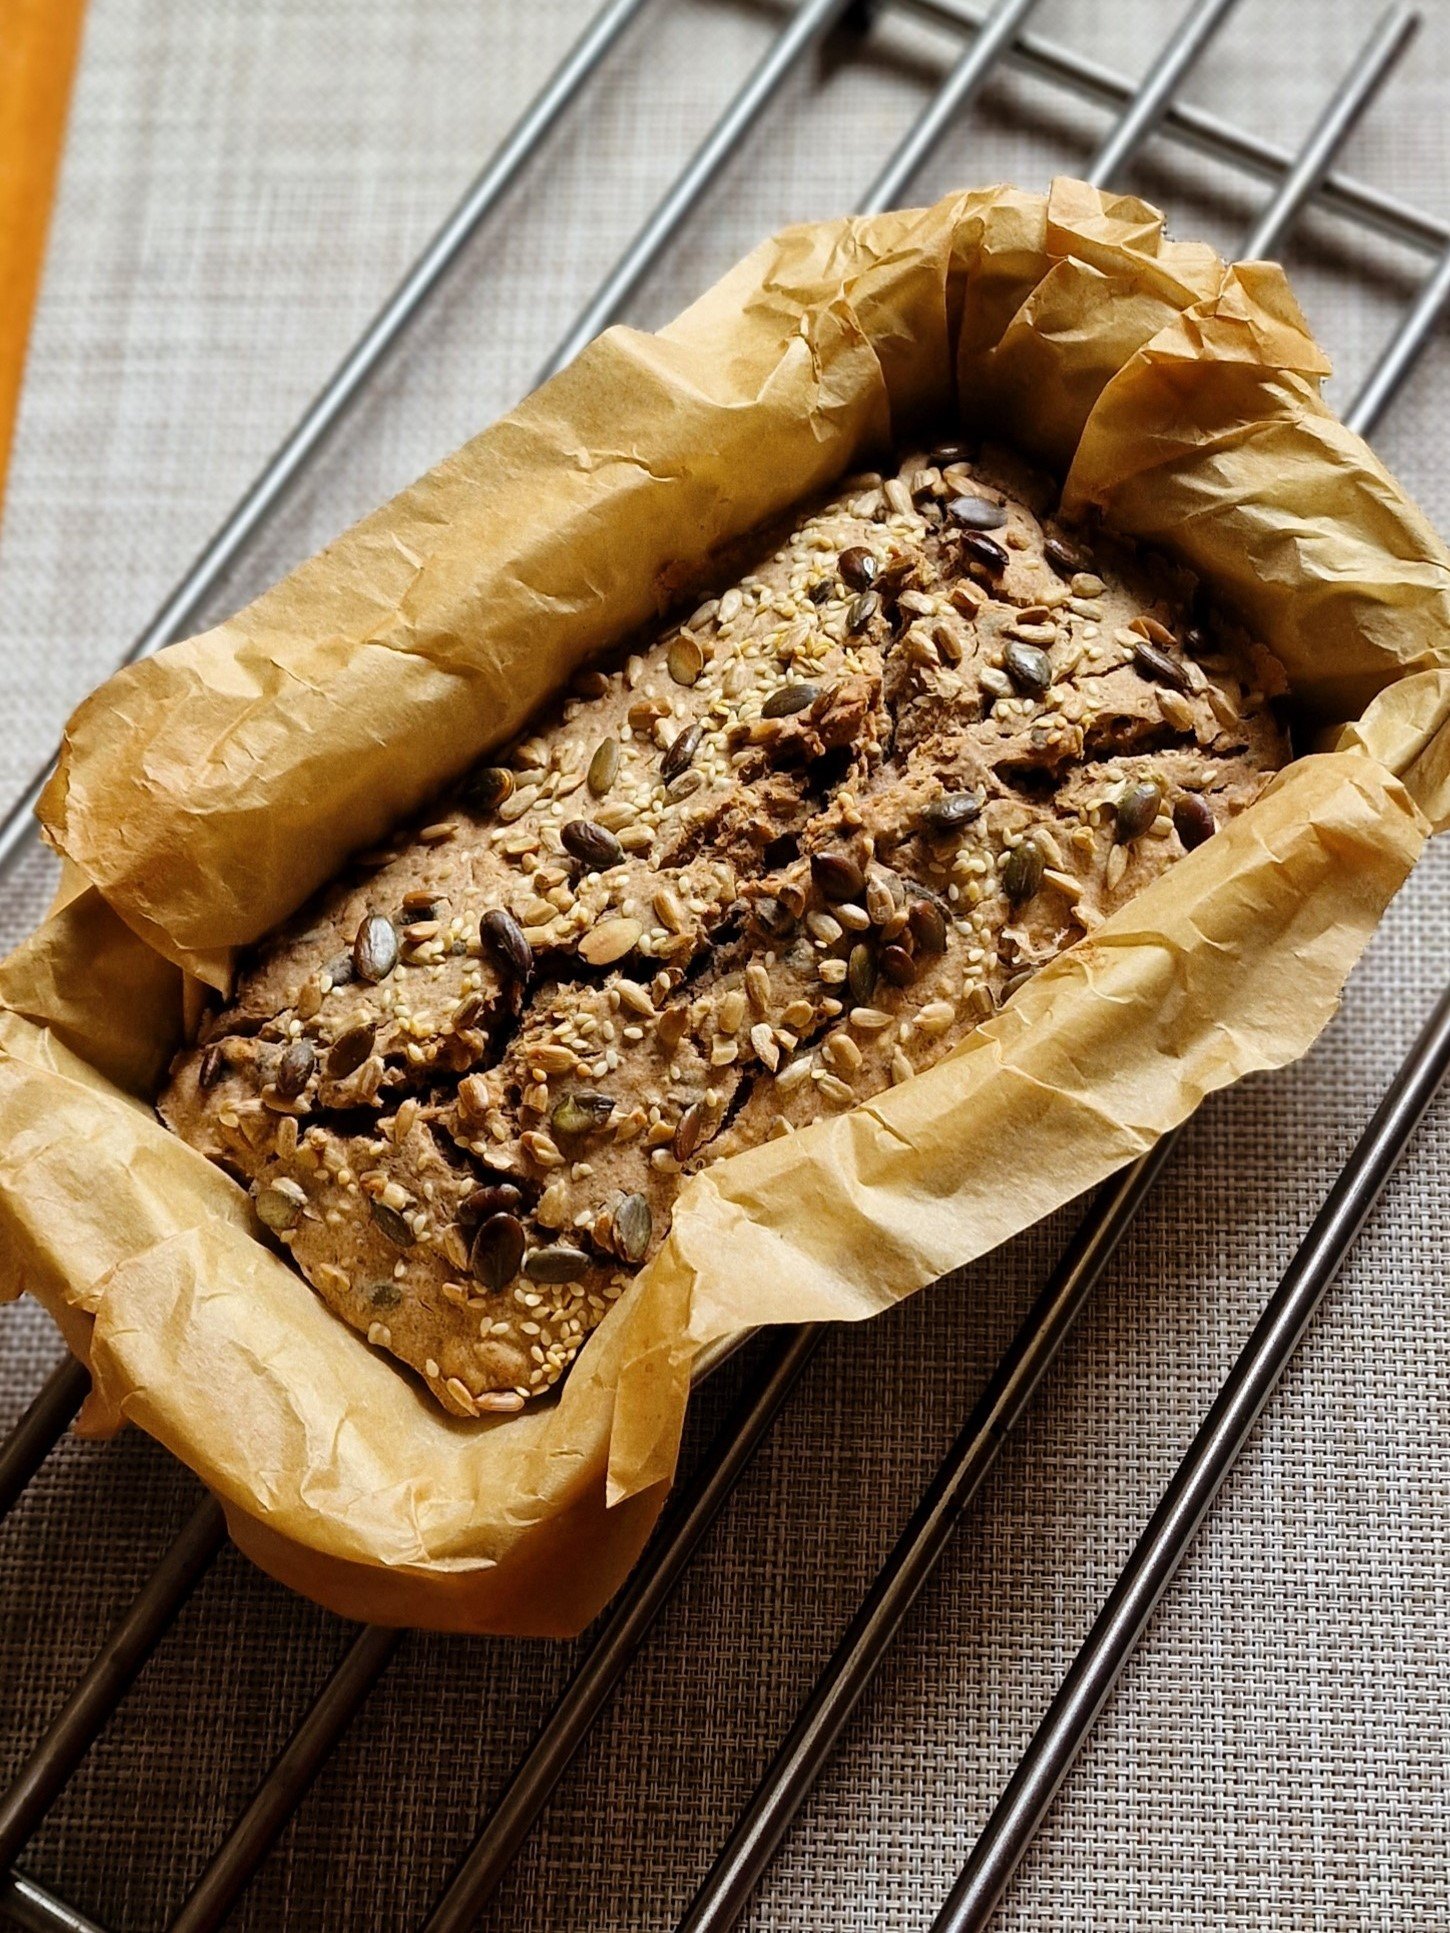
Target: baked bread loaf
789	852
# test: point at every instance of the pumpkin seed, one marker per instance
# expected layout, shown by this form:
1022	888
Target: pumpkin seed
213	1066
862	610
983	549
582	1112
503	939
1022	874
498	1249
837	875
609	941
279	1204
688	1131
1154	662
350	1050
950	812
555	1264
1028	666
977	513
681	754
592	845
487	786
603	767
898	966
928	926
375	950
861	974
1193	820
294	1070
786	700
858	566
1136	811
633	1226
685	661
396	1227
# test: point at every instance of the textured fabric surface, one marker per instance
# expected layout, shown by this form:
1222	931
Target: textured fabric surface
243	182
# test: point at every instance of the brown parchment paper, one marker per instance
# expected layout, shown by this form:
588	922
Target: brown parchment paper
202	794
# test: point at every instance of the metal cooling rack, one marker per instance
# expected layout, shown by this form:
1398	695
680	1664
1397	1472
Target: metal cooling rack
1139	109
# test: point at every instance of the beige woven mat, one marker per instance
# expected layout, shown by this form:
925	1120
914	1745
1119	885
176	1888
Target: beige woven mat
244	180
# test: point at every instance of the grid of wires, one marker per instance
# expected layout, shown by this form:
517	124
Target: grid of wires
1137	110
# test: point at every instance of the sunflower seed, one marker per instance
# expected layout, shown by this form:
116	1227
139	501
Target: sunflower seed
1022	874
280	1203
498	1249
861	974
688	1132
681	754
603	767
350	1050
609	941
858	566
1065	558
1135	812
787	699
503	938
862	610
1029	667
294	1070
555	1264
213	1066
837	875
950	812
633	1226
582	1112
1154	662
486	787
928	926
898	966
983	549
977	513
1193	820
591	844
685	661
375	950
494	1198
397	1228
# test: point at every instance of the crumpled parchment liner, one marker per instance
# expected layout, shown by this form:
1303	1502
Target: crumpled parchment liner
204	793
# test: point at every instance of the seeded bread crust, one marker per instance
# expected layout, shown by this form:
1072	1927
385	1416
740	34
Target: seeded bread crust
791	852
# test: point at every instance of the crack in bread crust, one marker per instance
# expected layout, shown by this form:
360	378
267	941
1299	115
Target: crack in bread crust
788	852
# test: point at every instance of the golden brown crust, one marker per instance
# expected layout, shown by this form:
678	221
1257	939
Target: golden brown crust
792	851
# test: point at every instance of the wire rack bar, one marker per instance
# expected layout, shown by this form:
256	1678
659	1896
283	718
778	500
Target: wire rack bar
1200	129
40	1429
812	1739
30	1907
1159	85
110	1676
353	373
1029	1356
1377	61
1198	1480
809	23
624	1631
286	1784
950	100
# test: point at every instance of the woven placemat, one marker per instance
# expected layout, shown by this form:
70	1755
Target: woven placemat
241	186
